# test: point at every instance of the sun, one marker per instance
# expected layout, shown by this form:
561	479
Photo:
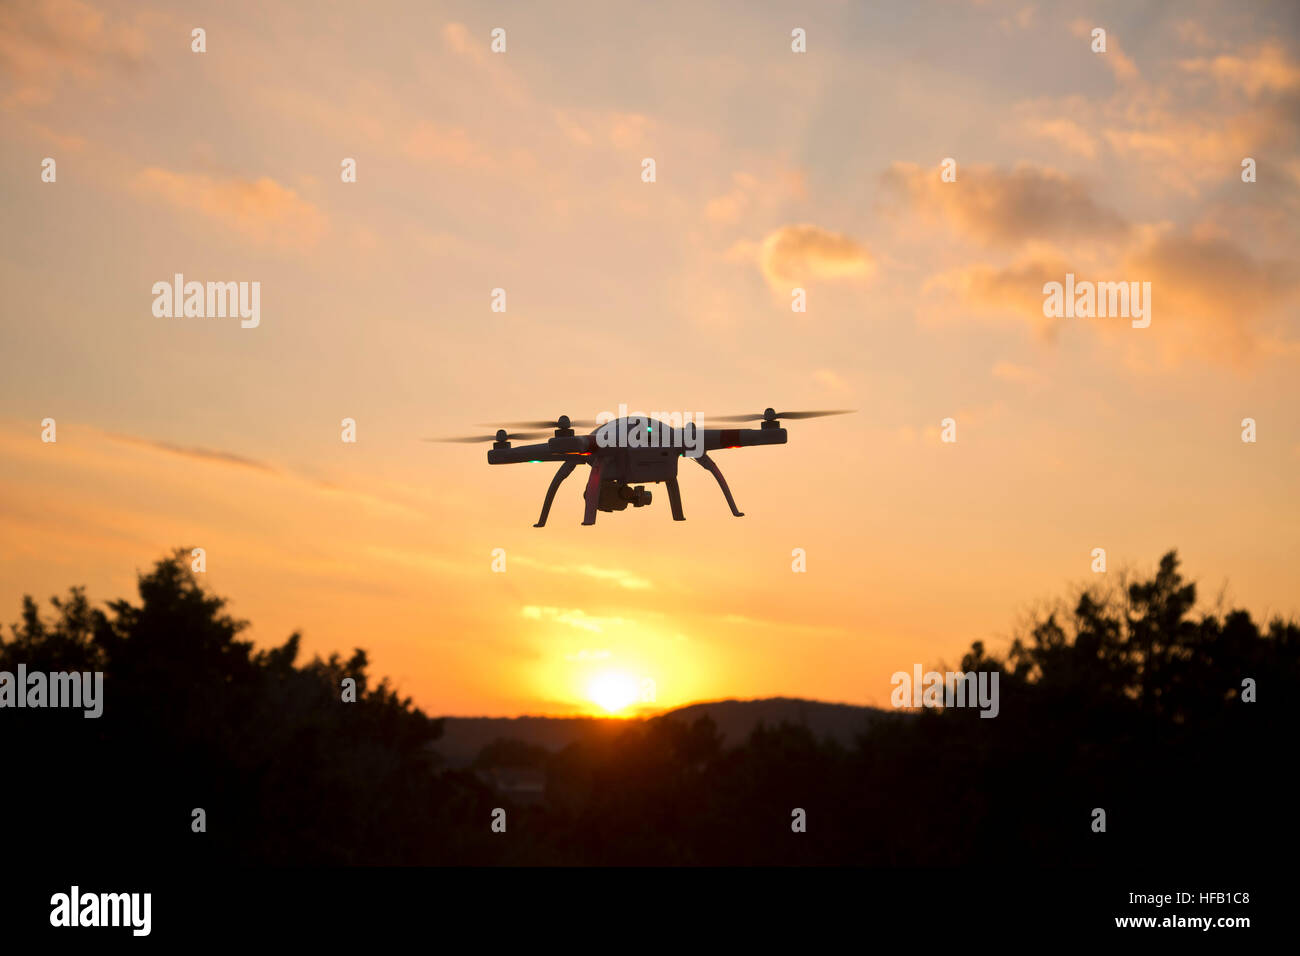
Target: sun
612	691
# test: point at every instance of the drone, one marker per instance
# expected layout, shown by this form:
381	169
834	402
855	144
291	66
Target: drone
625	454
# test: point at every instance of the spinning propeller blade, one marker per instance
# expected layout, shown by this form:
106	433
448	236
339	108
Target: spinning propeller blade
499	436
771	415
564	421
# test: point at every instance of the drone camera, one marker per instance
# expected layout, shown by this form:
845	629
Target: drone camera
638	497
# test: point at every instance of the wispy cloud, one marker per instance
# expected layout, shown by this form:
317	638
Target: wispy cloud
192	452
45	42
570	617
387	500
1061	131
1119	62
1265	69
1011	291
832	380
798	253
1018	374
623	578
997	206
1220	295
261	210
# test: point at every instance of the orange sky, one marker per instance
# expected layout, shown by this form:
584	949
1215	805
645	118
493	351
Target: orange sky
522	171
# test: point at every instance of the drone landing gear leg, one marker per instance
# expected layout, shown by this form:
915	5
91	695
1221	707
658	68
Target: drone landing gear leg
565	471
592	494
675	499
705	461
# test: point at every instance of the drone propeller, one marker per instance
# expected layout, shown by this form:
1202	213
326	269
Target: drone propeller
501	435
771	415
564	421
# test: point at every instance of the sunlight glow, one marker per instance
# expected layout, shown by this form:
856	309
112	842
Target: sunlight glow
612	691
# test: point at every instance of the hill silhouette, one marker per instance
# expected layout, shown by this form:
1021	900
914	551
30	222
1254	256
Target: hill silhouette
464	738
736	720
1180	727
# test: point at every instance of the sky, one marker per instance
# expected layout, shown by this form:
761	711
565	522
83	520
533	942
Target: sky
774	170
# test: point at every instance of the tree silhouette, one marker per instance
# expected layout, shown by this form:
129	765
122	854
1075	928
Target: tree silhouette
195	717
1127	702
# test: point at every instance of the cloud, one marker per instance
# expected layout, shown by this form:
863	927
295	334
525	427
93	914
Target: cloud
42	43
1185	137
1209	296
261	210
624	579
444	144
1022	19
628	130
1116	59
572	127
1003	291
1006	207
456	38
66	141
620	577
775	621
832	381
1063	132
1184	152
1193	33
482	65
756	193
363	111
796	253
388	498
202	454
1267	69
730	206
575	617
586	654
1018	374
1218	296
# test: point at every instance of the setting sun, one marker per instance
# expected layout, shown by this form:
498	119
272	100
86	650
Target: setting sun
612	691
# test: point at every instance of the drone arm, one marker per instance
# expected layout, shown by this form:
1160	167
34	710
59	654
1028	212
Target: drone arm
705	461
518	454
716	438
565	471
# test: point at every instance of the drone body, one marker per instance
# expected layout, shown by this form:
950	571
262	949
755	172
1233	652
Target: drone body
625	454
